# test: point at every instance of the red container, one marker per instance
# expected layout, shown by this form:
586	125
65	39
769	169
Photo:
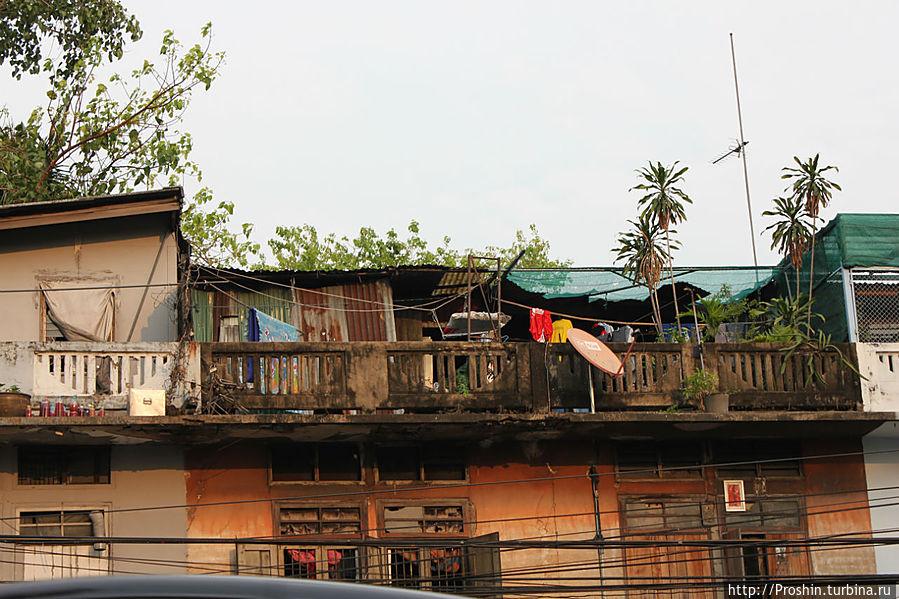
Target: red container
28	411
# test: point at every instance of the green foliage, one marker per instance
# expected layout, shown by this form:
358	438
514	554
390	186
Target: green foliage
96	138
212	242
664	201
29	27
9	388
782	319
643	256
809	184
791	234
664	205
699	385
302	248
715	310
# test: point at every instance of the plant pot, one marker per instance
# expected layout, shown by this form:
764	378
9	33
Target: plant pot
717	403
12	404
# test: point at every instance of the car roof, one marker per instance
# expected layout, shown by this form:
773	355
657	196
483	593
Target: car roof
203	587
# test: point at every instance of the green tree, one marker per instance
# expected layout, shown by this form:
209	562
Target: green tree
303	248
790	235
809	184
94	136
643	256
664	203
29	27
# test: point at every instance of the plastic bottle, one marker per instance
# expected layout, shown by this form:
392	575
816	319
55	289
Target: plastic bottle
45	407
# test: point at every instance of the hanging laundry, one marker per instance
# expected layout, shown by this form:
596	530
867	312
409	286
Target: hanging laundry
541	325
263	327
560	330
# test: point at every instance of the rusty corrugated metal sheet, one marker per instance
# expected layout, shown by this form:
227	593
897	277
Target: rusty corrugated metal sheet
456	281
354	312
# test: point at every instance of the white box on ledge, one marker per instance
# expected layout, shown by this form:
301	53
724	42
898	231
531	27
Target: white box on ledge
146	402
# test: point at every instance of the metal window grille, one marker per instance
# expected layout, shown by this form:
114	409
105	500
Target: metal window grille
876	294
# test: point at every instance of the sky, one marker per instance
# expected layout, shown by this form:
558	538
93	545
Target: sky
478	118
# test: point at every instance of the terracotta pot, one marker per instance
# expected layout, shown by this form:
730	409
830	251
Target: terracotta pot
12	404
718	403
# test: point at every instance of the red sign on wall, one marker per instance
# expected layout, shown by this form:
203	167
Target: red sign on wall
734	496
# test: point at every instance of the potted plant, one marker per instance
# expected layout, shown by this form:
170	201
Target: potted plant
703	384
12	401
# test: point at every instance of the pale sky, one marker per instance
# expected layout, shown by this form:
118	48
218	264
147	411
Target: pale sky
479	118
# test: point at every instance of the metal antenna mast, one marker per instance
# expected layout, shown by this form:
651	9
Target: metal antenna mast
733	57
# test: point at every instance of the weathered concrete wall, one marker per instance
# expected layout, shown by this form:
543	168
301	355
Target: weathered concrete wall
121	251
879	364
141	476
35	369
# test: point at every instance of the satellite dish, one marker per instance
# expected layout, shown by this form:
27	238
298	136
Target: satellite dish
595	351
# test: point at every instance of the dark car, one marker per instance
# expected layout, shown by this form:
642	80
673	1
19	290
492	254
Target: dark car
203	587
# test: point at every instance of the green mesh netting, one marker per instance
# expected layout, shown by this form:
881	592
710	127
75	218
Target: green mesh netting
848	241
608	283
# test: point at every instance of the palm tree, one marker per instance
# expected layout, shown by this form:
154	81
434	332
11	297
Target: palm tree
664	203
810	185
790	235
643	259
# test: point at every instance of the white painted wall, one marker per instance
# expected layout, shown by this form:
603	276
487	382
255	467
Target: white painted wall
879	364
882	472
142	475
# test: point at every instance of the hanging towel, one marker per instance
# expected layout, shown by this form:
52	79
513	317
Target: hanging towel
560	330
263	327
541	325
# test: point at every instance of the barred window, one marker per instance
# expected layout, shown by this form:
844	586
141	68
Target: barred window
311	462
414	463
320	520
63	465
418	519
766	513
758	458
648	459
653	515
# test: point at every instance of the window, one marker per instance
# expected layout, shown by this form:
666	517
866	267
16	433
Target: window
329	563
63	465
652	515
649	460
57	524
757	458
430	519
766	513
876	294
319	520
413	463
311	462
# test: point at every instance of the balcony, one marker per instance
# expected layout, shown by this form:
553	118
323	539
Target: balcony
428	377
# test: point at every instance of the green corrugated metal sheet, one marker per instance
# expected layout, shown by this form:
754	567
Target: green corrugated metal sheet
275	302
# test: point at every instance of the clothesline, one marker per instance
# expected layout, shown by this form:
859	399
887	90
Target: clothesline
592	319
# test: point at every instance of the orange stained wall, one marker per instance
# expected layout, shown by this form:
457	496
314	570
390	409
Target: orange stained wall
845	513
533	508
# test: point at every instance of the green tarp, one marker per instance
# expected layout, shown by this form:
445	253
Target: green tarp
608	284
848	241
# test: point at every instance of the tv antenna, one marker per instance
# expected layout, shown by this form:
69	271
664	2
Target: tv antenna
735	149
741	149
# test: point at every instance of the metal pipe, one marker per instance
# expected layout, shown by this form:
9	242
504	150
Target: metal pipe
733	57
590	380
